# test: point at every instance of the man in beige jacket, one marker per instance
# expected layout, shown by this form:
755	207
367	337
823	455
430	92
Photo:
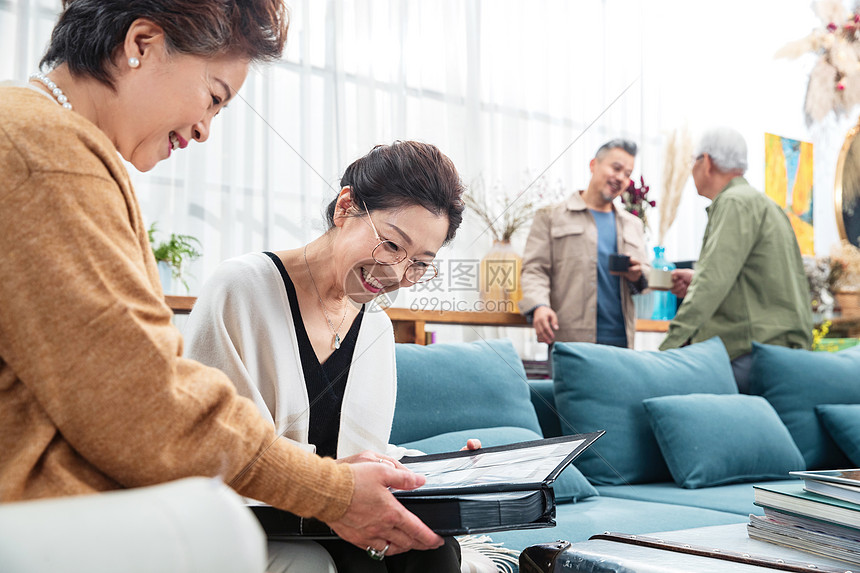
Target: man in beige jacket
568	289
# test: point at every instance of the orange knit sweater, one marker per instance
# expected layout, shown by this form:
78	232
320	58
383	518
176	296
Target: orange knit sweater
94	394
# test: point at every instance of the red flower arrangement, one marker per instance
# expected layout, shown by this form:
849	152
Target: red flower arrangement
636	200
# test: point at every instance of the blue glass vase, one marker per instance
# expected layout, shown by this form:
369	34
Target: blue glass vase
665	303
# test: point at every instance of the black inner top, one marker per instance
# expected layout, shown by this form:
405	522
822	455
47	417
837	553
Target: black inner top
325	382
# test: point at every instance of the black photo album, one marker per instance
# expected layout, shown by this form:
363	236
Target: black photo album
474	491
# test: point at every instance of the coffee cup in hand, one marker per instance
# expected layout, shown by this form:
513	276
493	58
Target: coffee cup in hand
619	263
660	279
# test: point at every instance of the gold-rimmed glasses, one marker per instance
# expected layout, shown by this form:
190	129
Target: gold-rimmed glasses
389	253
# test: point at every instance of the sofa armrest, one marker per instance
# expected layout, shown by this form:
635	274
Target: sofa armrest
193	524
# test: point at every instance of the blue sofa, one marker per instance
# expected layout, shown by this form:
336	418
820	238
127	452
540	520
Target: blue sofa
681	449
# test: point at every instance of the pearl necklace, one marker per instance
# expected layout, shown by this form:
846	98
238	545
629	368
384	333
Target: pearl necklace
53	88
336	340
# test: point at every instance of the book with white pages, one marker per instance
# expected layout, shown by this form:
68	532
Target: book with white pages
838	484
809	535
793	499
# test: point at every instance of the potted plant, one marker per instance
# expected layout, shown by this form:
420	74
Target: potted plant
172	255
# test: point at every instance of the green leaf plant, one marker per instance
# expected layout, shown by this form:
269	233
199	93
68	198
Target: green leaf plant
175	252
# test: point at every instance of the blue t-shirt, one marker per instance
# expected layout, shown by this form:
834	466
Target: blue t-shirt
610	319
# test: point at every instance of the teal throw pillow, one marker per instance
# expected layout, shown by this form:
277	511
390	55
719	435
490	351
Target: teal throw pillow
570	485
444	388
709	439
602	388
842	422
794	382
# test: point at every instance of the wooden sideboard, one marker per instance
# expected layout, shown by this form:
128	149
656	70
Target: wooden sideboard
844	327
180	304
410	325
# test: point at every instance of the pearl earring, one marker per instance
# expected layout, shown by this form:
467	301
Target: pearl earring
133	62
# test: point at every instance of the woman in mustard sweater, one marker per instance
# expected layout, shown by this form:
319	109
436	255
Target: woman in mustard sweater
94	393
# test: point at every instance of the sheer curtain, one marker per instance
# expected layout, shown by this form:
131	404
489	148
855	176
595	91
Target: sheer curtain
509	89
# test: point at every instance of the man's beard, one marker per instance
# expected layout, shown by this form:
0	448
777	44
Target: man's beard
607	198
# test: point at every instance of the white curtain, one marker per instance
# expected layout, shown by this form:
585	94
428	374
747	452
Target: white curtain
508	89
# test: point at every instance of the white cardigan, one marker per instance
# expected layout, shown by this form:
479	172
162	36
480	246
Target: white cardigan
242	324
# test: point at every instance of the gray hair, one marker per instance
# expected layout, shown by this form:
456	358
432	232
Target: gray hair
623	144
726	147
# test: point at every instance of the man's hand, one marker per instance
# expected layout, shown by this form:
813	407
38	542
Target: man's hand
681	279
633	272
545	322
375	518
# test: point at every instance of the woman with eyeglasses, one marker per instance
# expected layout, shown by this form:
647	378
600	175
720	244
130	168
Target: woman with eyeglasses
298	333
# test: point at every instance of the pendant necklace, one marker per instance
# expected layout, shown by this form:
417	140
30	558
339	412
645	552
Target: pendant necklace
335	341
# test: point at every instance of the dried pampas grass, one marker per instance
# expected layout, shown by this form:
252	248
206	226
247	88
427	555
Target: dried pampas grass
821	98
851	94
797	48
830	11
676	170
833	81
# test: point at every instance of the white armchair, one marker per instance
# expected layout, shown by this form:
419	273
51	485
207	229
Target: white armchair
190	525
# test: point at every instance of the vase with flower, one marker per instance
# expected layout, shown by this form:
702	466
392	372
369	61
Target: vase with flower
665	302
660	304
504	214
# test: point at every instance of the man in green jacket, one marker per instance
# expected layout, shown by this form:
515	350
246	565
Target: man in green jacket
749	284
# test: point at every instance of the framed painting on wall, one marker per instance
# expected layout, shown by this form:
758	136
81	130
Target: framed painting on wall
788	181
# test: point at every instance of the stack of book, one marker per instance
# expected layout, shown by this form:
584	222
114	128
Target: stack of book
819	515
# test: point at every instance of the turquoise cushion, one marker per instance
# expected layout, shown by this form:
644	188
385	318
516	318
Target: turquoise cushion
444	388
842	422
602	387
571	485
795	381
709	439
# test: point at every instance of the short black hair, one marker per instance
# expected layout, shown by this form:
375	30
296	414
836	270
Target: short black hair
618	143
89	32
404	174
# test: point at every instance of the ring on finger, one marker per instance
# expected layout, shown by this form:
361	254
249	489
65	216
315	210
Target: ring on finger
375	554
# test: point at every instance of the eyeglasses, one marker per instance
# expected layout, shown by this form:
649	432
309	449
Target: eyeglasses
389	253
695	159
